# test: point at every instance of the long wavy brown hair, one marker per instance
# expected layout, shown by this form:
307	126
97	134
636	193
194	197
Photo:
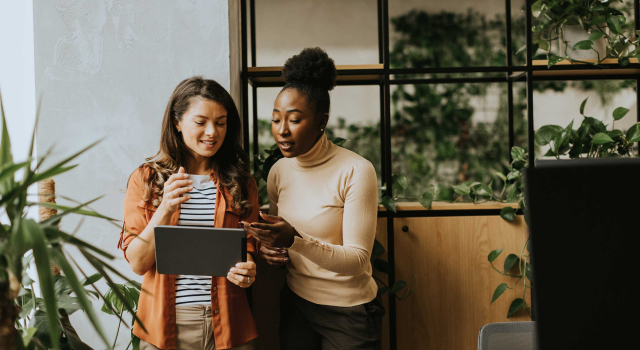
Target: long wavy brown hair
230	164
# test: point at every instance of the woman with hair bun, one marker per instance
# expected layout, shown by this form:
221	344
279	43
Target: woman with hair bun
322	218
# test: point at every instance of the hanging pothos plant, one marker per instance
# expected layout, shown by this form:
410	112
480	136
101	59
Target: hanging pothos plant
598	18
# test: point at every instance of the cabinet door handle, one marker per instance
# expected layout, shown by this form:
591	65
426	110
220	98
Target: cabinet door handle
405	228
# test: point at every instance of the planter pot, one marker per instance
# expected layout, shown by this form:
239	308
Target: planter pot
574	34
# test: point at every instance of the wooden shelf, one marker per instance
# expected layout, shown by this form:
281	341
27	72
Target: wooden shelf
611	64
413	206
271	76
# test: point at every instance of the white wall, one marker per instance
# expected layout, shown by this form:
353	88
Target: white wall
17	81
106	69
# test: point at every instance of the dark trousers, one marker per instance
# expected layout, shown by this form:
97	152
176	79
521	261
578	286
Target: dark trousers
309	326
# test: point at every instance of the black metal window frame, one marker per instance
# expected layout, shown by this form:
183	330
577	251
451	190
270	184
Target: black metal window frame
511	74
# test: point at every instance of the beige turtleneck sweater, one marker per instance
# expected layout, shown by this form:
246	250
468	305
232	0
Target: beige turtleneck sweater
329	195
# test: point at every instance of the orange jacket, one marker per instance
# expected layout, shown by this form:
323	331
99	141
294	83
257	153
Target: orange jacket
232	320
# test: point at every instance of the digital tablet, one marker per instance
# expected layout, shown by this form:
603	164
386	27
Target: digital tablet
205	251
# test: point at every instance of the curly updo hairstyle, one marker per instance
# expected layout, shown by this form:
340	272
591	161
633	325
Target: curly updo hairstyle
313	74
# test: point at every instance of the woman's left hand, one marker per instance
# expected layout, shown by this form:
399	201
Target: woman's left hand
276	233
243	274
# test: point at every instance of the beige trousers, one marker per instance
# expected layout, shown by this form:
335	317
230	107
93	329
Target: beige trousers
194	330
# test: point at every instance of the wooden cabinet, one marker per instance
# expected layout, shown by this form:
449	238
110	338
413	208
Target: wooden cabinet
453	286
454	282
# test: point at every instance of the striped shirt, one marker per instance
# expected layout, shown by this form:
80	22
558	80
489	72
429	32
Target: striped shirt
197	211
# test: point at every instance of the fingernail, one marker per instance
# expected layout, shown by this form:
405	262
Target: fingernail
286	259
237	265
190	187
233	269
251	225
190	181
261	212
241	225
185	176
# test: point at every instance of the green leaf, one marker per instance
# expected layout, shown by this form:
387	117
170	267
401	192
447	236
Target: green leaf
517	153
527	272
6	157
508	214
338	141
595	124
59	168
516	305
378	249
397	286
536	8
75	210
542	43
601	138
501	176
36	238
462	190
623	62
498	292
583	45
427	197
484	191
91	279
584	103
389	203
494	255
553	59
400	182
509	261
615	133
614	23
545	134
633	134
28	334
444	193
382	266
619	113
78	289
514	175
595	35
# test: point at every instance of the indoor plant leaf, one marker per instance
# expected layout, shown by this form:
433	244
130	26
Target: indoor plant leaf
619	113
389	203
400	183
378	249
582	105
509	261
595	35
545	134
601	138
614	23
516	305
382	266
462	190
494	254
426	199
508	213
583	45
553	59
444	193
498	292
517	153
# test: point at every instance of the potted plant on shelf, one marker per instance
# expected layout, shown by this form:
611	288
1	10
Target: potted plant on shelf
590	140
578	30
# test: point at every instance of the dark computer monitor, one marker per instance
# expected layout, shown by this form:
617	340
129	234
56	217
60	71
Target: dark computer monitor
585	251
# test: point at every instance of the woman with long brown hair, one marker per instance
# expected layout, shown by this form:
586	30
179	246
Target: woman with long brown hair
199	177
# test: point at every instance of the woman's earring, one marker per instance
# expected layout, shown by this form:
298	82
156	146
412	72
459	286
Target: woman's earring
321	130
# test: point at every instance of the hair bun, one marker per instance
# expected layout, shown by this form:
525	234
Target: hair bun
312	67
